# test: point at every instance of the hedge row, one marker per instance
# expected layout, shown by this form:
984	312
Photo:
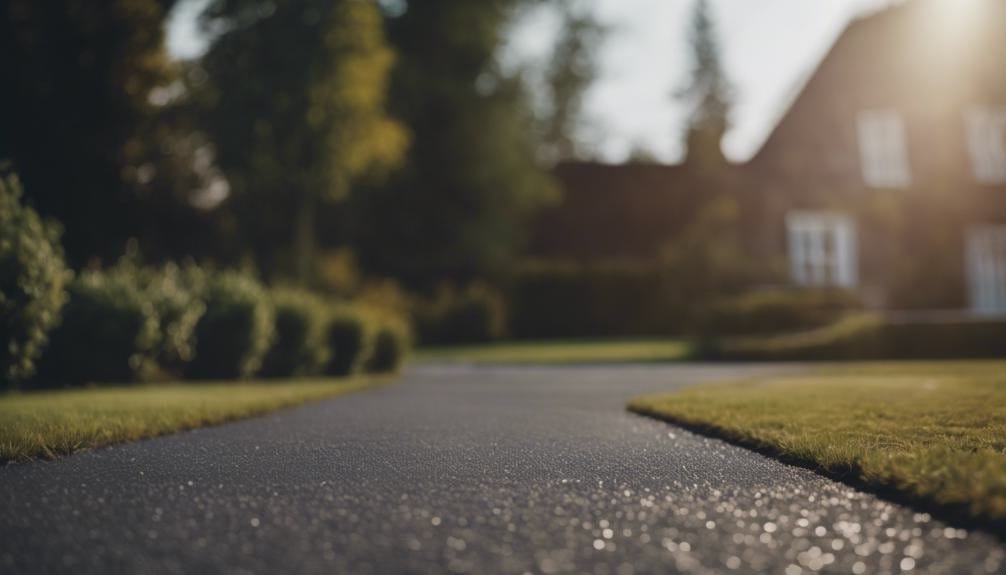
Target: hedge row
119	326
130	323
868	336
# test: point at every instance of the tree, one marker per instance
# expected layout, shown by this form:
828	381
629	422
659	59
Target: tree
458	208
570	72
707	93
295	106
77	79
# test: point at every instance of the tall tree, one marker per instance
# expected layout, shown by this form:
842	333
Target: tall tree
458	208
570	72
77	79
707	92
295	104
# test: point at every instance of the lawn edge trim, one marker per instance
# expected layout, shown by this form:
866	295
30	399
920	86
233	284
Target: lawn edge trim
953	514
48	454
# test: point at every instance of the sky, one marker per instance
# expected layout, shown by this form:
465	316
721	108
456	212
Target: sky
769	48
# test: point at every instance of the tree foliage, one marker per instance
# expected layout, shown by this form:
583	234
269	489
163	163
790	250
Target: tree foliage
295	105
707	92
76	99
569	73
456	209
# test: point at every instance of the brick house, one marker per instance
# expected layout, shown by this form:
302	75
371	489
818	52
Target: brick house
887	175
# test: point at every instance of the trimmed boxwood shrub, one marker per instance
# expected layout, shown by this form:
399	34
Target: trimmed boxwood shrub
299	347
33	281
348	339
107	333
176	294
776	311
475	315
868	336
236	330
391	344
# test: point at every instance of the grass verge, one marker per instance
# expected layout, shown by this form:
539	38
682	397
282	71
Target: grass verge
928	433
49	424
562	352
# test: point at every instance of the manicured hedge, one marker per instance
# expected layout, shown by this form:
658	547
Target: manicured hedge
33	281
476	314
176	294
566	300
390	346
107	333
776	311
349	341
235	332
299	347
868	336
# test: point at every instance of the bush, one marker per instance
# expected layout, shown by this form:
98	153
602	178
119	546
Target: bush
567	299
776	311
391	344
475	315
348	339
867	336
854	337
299	348
33	281
107	333
176	295
235	332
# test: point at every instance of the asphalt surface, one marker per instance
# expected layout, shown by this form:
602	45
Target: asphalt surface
467	470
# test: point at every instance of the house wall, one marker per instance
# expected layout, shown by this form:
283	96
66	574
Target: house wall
912	59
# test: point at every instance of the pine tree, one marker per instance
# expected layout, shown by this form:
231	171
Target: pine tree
570	72
707	93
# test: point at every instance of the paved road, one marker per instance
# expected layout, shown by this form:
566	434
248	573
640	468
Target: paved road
468	470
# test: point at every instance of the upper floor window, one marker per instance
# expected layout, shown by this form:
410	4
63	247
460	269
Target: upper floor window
987	142
883	149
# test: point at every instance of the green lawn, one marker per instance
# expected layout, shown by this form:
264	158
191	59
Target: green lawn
53	423
933	432
562	352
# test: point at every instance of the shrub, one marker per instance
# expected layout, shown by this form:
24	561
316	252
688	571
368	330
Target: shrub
299	348
475	315
567	299
391	344
176	295
867	336
853	337
107	333
235	332
348	339
776	311
33	281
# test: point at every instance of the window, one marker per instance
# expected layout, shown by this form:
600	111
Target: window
822	249
883	150
986	258
987	142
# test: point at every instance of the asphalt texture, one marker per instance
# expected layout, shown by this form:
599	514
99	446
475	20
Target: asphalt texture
465	470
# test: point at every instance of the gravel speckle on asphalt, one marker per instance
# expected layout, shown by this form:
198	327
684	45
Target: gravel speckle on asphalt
464	470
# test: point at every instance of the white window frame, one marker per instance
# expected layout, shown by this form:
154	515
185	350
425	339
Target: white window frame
986	259
986	127
883	149
822	249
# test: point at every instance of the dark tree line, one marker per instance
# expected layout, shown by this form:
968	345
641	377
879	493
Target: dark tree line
307	124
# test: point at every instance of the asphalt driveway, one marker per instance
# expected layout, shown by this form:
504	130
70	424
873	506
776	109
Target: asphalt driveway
466	470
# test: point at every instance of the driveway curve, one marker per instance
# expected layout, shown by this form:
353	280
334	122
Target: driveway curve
465	470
